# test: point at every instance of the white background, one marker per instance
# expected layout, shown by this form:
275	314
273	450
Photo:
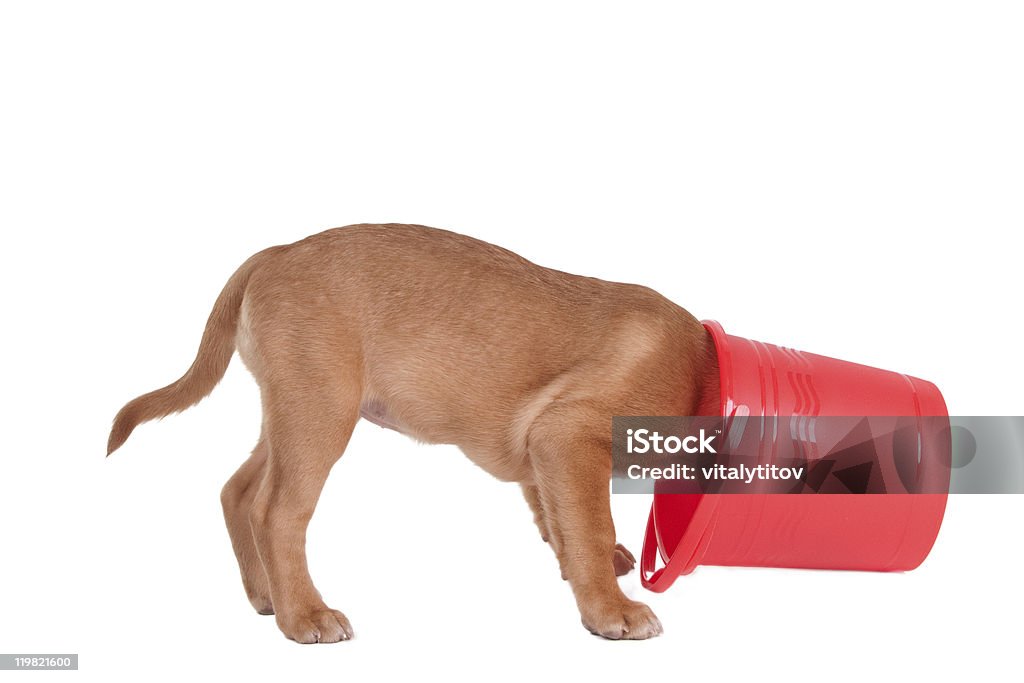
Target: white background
839	177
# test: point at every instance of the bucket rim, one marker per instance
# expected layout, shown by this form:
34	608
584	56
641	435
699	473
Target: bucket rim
692	544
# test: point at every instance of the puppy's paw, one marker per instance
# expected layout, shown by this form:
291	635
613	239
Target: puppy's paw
261	603
622	620
323	625
623	560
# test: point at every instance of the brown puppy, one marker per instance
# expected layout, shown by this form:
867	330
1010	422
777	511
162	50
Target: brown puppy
450	340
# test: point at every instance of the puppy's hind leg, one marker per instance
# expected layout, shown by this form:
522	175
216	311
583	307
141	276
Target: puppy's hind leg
308	419
236	498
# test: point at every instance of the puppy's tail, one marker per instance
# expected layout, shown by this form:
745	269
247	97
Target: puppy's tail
215	351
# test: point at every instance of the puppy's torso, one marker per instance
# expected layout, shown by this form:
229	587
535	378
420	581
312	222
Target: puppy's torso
459	341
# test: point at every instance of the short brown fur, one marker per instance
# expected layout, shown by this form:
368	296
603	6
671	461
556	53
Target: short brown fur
450	340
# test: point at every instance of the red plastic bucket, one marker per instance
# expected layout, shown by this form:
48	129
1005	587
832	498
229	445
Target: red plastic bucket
879	532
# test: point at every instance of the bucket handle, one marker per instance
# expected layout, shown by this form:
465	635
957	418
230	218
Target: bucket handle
657	580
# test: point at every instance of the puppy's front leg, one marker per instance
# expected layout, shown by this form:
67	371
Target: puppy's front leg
623	559
572	467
